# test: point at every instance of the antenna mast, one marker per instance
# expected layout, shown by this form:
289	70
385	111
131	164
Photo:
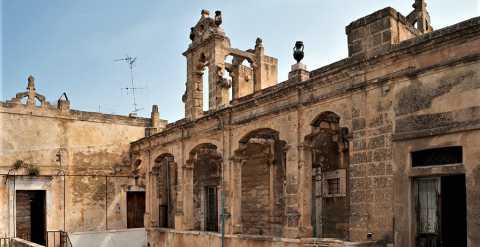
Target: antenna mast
130	61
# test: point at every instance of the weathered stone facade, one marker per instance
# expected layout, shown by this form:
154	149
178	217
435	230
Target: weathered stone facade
80	159
325	154
350	154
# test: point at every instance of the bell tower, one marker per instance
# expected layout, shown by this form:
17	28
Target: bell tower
208	48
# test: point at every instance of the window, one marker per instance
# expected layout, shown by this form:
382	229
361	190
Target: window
437	156
212	209
333	186
427	205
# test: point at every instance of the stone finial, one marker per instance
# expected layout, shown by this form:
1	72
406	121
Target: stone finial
298	51
192	34
31	83
259	42
299	70
218	18
63	103
205	13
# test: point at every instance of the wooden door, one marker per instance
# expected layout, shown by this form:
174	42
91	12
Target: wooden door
31	215
135	209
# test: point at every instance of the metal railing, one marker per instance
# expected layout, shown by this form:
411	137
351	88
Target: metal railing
57	239
6	242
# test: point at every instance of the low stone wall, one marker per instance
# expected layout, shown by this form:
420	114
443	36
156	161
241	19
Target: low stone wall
114	238
18	242
160	237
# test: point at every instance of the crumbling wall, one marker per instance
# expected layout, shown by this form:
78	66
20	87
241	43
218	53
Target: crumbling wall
421	87
90	146
437	110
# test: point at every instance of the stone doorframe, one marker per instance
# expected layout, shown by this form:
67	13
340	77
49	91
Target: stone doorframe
15	183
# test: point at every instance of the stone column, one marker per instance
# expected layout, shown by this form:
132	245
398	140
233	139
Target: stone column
290	226
188	222
154	202
236	199
172	190
304	190
258	72
235	74
148	194
271	195
193	97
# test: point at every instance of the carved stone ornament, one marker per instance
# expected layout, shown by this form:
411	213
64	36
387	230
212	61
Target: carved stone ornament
218	18
298	51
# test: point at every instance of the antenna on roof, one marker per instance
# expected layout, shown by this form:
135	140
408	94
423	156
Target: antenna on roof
131	61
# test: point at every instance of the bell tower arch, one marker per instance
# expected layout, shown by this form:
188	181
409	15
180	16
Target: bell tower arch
208	48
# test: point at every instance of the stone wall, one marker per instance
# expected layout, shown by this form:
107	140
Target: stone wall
374	100
82	161
174	238
377	32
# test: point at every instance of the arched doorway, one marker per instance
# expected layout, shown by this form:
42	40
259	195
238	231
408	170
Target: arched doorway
262	157
165	172
207	162
329	165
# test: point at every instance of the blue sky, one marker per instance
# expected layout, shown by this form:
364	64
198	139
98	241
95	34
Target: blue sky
69	46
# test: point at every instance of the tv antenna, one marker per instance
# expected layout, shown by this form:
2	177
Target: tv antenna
131	61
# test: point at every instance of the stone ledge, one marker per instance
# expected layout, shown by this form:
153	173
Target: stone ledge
76	115
213	239
18	242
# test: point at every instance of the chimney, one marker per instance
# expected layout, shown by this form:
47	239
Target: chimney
155	116
154	122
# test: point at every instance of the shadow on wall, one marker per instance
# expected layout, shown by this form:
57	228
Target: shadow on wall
115	238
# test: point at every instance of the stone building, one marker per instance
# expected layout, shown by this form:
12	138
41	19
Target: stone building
381	147
378	149
63	170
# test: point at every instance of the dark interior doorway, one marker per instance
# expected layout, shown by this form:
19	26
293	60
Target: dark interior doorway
31	215
212	209
135	209
441	211
454	216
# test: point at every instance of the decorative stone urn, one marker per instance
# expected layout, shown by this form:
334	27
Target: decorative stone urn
298	51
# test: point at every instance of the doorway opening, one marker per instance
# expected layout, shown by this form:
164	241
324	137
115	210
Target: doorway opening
211	219
441	211
31	215
135	209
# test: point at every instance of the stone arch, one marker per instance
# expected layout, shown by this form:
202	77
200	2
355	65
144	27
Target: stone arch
260	163
241	71
206	162
325	117
164	173
327	161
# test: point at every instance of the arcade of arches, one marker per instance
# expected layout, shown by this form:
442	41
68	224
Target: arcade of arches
255	183
333	153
